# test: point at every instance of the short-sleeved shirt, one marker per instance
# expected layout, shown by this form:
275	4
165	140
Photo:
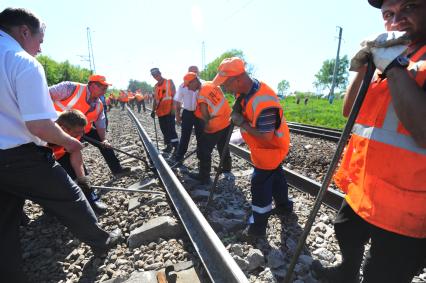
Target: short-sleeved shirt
24	94
64	90
187	97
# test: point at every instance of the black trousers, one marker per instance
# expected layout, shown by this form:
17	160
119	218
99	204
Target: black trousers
204	151
167	126
108	154
30	172
140	104
188	122
122	105
66	164
391	258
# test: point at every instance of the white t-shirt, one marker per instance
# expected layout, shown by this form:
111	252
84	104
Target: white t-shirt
187	97
23	94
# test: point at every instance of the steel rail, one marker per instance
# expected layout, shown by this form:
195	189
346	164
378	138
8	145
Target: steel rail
315	132
219	264
332	199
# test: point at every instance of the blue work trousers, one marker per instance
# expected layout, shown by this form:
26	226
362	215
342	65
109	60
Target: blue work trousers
167	126
265	185
188	122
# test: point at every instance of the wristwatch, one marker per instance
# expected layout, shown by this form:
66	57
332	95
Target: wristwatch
399	62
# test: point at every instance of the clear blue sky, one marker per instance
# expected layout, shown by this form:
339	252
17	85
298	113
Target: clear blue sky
282	39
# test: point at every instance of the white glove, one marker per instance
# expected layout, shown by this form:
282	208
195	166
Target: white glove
384	48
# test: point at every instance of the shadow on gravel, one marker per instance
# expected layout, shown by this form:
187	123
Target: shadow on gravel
45	243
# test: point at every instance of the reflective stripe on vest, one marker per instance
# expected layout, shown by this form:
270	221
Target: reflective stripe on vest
214	108
383	170
73	101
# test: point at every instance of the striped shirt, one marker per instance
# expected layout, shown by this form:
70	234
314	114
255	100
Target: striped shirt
269	118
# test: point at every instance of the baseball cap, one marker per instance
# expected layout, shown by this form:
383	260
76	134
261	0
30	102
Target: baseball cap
155	71
98	78
376	3
190	76
230	67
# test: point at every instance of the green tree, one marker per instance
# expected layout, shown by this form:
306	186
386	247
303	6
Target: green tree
283	87
210	70
58	72
324	77
135	85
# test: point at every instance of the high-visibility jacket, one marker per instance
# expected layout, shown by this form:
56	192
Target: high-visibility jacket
78	100
217	106
266	155
58	151
123	97
139	97
163	98
383	171
130	95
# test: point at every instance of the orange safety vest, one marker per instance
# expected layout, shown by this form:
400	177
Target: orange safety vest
130	95
217	106
163	98
266	155
139	97
78	100
123	97
58	151
383	171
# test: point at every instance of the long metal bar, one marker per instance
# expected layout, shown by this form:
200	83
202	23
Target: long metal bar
333	165
220	266
126	190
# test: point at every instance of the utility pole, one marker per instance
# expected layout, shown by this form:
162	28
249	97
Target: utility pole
336	65
203	56
90	48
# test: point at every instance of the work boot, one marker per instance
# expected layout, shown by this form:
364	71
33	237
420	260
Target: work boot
332	274
201	179
114	238
283	209
124	171
98	206
251	235
168	148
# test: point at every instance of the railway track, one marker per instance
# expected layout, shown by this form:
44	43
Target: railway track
211	245
315	132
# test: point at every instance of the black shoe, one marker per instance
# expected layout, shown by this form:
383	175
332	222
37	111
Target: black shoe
332	274
250	235
168	148
201	179
125	171
98	207
283	209
175	160
114	238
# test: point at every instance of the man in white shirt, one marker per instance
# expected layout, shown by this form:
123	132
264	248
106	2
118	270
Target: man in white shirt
186	99
27	167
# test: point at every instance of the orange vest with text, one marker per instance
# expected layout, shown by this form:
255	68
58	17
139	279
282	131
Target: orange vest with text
383	170
266	155
78	100
217	106
163	98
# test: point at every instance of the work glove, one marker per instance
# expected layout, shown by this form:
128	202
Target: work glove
106	144
237	118
153	114
84	183
383	48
